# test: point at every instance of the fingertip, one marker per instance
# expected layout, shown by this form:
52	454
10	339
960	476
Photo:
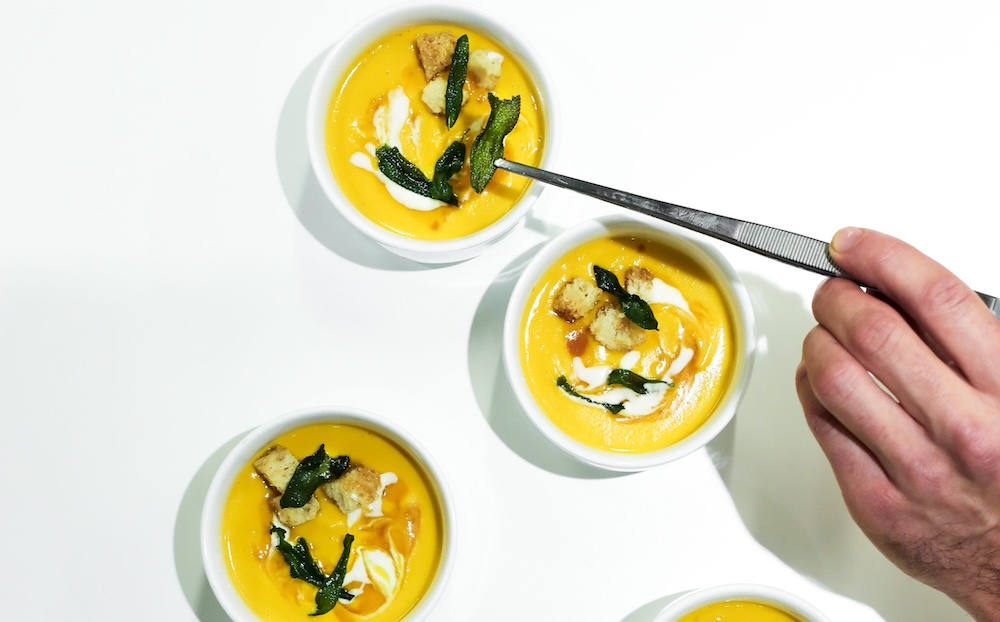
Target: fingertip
846	239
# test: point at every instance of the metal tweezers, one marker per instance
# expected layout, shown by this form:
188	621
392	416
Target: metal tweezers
787	247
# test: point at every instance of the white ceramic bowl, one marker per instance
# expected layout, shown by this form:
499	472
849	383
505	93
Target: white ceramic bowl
720	270
342	57
779	599
216	567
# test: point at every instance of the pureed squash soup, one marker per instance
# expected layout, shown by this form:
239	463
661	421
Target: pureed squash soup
381	101
606	381
738	611
397	544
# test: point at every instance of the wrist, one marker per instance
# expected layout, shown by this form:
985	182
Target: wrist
983	605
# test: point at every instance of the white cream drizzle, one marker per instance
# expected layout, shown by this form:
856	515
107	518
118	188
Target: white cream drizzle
389	120
594	376
630	359
373	566
662	294
679	363
385	479
635	404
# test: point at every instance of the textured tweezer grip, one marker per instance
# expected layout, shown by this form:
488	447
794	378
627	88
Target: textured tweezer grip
791	247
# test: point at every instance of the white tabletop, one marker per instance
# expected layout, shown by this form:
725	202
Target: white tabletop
171	276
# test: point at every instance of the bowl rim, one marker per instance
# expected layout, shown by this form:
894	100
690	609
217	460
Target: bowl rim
340	58
253	441
755	592
708	257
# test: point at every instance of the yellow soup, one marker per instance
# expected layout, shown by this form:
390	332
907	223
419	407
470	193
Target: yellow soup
738	611
385	86
690	353
408	537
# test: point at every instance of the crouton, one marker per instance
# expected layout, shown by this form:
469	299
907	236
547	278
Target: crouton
434	51
357	488
616	332
293	517
434	94
484	68
639	282
575	299
276	466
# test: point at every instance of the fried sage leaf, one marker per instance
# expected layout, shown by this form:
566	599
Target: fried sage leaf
564	384
456	81
333	590
450	163
302	566
634	307
299	559
310	474
397	168
631	380
488	145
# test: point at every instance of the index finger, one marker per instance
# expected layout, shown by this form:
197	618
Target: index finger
949	311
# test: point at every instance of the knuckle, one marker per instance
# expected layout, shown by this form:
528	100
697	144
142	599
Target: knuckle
976	448
834	383
933	476
879	334
946	295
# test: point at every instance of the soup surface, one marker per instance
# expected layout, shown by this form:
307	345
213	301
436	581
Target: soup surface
682	367
738	611
394	556
380	101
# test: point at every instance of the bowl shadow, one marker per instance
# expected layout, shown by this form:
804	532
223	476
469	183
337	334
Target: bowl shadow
187	539
494	394
776	474
304	194
783	486
649	611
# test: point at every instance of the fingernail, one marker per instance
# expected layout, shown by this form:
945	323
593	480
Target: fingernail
845	239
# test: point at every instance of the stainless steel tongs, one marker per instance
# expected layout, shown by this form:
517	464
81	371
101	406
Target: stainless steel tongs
790	248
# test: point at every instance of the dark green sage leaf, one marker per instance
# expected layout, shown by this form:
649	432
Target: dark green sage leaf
632	380
299	559
456	81
397	168
488	145
607	281
564	384
327	596
302	566
310	474
637	310
634	307
450	163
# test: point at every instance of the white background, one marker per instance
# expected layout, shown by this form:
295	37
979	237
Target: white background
171	276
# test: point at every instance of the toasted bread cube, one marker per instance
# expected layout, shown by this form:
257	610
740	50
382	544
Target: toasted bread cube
434	50
357	488
484	68
276	466
293	517
616	332
639	282
575	299
434	94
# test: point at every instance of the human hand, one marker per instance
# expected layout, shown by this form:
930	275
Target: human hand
920	474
